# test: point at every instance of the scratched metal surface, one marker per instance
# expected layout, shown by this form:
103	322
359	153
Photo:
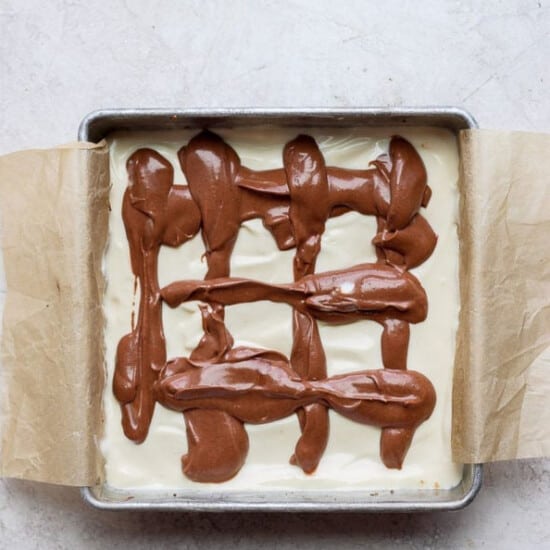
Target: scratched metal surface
61	59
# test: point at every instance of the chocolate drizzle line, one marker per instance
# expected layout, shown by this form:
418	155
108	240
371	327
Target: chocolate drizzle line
219	387
306	177
155	213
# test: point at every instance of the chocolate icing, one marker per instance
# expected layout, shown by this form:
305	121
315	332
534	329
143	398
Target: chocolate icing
367	291
258	386
219	387
155	212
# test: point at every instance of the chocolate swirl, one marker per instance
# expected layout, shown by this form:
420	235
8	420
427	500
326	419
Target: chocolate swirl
258	386
155	213
219	388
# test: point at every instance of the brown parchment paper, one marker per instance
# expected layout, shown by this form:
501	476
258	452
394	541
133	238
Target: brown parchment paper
54	212
501	390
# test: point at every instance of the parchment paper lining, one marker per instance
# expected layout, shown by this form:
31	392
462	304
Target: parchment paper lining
54	205
501	389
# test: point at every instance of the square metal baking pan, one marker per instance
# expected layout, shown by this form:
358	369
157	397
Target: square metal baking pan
98	125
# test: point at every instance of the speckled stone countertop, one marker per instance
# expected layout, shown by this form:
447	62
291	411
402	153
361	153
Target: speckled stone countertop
61	59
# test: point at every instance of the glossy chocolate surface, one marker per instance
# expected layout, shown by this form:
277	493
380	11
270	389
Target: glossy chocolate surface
220	387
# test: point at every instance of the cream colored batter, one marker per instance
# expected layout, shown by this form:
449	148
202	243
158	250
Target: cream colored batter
351	460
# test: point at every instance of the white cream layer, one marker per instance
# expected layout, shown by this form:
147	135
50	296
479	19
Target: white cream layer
351	460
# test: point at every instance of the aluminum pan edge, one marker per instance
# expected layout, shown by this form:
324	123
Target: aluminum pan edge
97	124
286	502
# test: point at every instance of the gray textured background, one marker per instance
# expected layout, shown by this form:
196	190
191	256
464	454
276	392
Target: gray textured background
61	59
